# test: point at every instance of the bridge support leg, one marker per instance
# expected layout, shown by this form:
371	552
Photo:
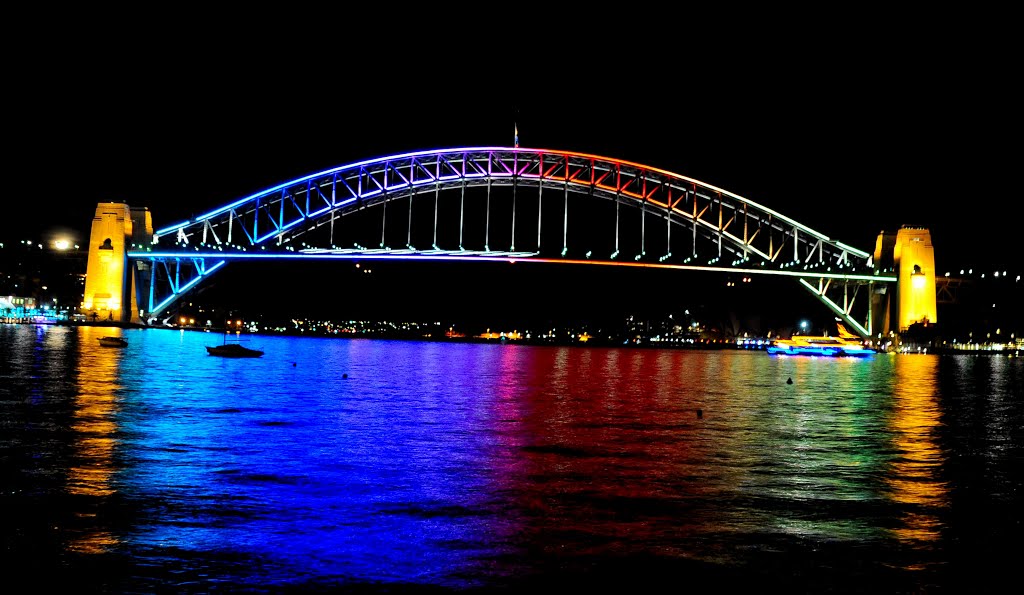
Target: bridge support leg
112	284
910	253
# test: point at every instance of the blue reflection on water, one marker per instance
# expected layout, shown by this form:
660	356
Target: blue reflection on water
296	462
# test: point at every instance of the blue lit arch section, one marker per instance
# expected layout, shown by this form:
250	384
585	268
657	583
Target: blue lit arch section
681	223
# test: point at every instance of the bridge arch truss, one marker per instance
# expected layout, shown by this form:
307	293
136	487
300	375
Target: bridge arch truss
661	219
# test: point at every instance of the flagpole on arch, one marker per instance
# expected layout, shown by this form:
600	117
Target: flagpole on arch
515	120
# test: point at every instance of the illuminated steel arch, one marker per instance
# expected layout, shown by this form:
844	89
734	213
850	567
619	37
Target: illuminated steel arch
716	230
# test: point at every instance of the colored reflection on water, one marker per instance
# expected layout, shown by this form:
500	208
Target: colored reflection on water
612	445
331	463
91	472
805	445
335	455
914	478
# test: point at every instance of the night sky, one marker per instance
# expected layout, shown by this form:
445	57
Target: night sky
849	141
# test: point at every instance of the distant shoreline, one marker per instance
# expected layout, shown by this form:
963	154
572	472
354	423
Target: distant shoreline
111	323
593	342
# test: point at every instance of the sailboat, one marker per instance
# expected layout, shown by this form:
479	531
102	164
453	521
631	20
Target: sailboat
236	349
846	344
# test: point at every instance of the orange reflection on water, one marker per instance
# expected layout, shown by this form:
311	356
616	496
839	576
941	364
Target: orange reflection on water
94	424
914	479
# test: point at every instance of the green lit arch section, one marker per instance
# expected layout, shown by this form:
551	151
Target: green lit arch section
716	230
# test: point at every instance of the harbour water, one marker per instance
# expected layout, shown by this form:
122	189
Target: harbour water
349	465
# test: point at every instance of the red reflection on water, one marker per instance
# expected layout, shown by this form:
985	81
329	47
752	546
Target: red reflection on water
601	443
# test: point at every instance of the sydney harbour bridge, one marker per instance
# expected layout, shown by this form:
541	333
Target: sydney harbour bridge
502	204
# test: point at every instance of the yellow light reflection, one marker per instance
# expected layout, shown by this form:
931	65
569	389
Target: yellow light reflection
914	479
91	477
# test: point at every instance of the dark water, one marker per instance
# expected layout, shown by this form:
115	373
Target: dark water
454	467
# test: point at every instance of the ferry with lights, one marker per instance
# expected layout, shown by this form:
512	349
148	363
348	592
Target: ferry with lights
846	344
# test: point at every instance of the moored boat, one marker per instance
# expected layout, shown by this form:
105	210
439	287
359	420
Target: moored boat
233	350
233	347
113	342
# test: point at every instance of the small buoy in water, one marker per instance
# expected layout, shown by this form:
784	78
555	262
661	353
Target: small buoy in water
700	413
294	364
344	375
789	381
